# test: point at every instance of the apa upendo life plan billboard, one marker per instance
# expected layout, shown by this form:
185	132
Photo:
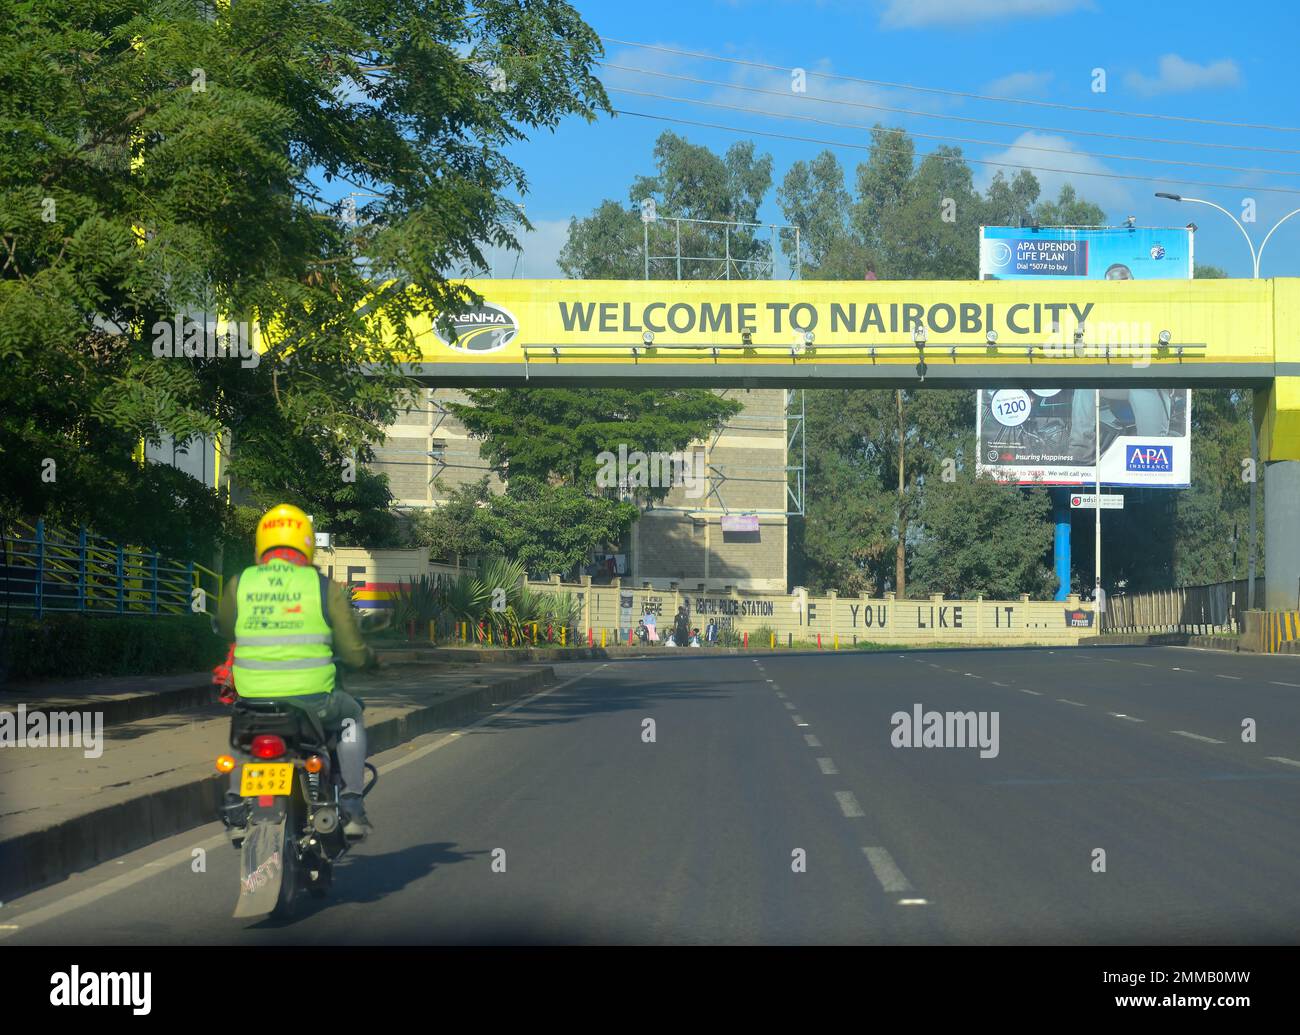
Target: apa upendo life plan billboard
1048	436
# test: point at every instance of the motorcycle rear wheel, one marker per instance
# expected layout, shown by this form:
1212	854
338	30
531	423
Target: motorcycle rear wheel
287	902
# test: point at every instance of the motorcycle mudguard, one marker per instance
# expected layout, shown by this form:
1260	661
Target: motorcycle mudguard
262	864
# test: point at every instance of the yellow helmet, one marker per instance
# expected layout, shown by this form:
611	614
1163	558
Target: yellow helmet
285	526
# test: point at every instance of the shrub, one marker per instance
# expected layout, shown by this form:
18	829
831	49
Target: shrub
80	646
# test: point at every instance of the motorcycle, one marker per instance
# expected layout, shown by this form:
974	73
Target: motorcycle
290	783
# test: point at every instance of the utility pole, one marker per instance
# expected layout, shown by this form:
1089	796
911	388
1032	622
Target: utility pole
1096	412
900	557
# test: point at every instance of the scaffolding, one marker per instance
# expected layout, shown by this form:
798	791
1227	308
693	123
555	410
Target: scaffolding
745	256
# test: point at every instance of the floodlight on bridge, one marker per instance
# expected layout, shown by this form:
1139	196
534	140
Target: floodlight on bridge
648	337
1080	346
918	335
1164	339
991	337
747	338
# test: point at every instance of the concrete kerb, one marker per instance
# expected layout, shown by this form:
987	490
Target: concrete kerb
34	860
1232	643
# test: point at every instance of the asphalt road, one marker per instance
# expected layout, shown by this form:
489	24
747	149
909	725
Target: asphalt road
694	837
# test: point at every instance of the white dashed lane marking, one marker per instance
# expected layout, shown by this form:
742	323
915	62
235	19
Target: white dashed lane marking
812	740
828	767
1034	692
1196	736
1284	761
1217	676
849	805
887	872
1127	718
1276	683
1077	704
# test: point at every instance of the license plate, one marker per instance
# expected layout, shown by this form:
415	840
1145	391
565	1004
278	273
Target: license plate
275	779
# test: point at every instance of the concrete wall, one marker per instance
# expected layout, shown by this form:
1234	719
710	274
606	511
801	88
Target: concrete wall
879	620
852	619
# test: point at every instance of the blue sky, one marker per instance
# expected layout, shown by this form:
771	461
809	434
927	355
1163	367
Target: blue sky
1197	60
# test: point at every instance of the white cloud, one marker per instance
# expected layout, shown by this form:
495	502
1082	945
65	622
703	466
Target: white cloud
1019	84
1178	75
919	14
1114	196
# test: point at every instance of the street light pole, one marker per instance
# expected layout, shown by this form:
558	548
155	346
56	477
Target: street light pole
1256	257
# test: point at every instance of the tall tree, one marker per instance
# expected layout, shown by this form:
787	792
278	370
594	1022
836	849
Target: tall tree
163	161
559	434
865	523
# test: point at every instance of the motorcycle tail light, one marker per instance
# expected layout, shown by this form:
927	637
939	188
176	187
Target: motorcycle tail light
225	763
314	764
267	745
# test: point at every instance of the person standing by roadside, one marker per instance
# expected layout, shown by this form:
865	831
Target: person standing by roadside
682	627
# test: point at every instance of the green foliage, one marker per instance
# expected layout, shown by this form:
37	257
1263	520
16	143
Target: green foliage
78	646
545	528
982	537
134	189
550	433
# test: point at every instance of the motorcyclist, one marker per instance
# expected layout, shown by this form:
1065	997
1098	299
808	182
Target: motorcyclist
288	621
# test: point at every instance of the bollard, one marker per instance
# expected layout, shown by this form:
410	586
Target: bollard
837	641
602	638
591	640
534	634
746	644
819	641
563	631
630	634
773	644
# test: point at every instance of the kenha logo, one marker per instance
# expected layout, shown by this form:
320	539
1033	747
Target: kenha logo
485	328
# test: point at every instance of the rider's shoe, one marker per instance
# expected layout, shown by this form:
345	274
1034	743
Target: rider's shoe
235	815
356	824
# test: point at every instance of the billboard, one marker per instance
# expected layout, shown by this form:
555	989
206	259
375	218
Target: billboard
1085	253
1048	436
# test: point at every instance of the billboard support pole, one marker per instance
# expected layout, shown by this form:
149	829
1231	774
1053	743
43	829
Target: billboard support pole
1061	517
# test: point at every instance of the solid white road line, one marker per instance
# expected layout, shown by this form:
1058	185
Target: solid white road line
1284	761
887	872
828	767
849	805
1196	736
1277	683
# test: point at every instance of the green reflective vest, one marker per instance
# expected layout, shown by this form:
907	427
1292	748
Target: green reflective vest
282	641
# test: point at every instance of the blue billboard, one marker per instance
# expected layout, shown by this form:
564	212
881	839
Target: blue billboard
1085	253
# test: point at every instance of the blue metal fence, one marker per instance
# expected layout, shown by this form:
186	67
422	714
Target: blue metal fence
45	570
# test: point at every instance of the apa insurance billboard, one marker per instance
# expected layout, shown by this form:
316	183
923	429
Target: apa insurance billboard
1048	436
